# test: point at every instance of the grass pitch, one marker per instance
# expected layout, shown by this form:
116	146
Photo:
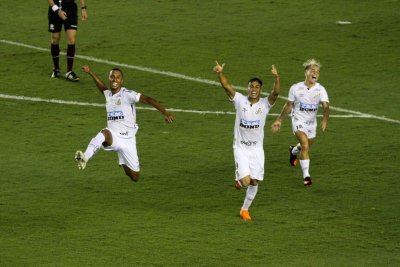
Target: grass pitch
184	211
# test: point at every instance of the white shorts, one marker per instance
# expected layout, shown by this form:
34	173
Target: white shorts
126	150
307	127
249	162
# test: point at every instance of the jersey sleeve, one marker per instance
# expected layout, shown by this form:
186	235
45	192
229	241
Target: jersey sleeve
324	95
291	96
236	99
132	96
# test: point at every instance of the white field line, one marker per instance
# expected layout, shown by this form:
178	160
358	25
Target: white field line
184	77
64	102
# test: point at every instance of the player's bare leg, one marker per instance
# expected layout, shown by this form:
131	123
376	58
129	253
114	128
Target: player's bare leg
134	175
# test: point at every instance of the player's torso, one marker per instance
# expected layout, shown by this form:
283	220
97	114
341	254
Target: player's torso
250	122
121	112
307	101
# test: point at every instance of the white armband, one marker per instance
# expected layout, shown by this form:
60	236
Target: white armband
55	8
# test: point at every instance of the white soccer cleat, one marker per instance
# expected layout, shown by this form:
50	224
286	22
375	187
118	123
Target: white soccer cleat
80	159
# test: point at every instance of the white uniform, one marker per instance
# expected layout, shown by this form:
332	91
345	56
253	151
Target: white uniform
305	107
121	122
249	136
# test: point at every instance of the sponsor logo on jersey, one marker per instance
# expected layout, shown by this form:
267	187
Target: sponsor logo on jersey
249	124
248	143
115	115
308	107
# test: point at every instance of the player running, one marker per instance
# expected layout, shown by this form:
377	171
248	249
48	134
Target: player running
303	102
251	114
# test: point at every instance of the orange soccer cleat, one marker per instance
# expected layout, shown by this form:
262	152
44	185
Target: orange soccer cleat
245	215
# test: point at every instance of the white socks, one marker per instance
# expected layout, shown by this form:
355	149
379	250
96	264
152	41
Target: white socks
305	165
250	195
94	145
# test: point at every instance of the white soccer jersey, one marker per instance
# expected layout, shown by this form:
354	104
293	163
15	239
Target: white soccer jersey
306	101
121	111
250	121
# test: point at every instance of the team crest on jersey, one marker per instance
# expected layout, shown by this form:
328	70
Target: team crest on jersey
119	101
259	111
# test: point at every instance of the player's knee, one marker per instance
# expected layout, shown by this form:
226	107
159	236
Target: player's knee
131	174
134	176
245	181
253	182
108	139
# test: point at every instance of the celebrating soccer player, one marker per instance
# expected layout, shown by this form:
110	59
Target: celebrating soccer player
120	134
303	102
251	114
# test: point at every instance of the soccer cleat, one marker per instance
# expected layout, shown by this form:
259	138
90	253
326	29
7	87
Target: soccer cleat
71	76
293	158
80	159
245	215
55	74
307	181
238	185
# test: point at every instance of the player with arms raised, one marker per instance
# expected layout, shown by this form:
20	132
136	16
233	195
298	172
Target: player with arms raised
251	114
120	134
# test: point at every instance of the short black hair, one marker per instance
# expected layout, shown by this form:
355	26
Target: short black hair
255	79
117	69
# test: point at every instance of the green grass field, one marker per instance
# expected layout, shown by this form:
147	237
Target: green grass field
184	211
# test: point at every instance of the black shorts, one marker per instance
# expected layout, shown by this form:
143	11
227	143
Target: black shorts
55	22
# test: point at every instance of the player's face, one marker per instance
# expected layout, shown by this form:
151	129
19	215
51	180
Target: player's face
115	79
312	75
254	90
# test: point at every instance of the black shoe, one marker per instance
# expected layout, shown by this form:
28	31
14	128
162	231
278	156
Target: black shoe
307	181
55	74
71	76
293	158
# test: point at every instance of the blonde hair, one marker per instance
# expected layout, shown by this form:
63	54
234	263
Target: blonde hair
311	62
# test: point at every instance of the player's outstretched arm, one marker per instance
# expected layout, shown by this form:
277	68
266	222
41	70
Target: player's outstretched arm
99	83
219	69
277	86
169	118
276	126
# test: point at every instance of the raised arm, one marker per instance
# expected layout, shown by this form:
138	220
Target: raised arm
151	101
325	106
99	83
276	126
219	69
277	86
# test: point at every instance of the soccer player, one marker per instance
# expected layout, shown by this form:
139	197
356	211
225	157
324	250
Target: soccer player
303	102
251	114
64	12
120	134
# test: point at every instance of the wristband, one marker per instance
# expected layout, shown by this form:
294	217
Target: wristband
84	7
55	8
